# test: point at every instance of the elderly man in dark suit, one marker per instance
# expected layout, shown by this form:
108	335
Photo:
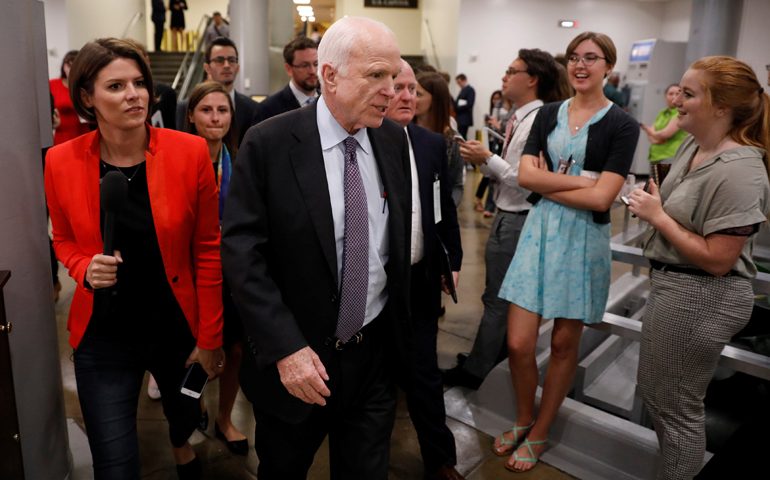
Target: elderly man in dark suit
222	66
434	220
301	62
315	246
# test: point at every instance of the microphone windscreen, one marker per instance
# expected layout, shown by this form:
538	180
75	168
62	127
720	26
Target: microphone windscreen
114	191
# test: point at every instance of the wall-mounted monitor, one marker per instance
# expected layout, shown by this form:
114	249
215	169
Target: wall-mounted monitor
642	51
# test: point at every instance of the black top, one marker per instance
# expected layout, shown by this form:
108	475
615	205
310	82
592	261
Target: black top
610	147
142	306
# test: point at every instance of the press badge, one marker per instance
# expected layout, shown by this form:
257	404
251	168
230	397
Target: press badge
565	165
436	198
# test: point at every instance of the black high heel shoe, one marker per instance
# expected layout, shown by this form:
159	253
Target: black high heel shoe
190	471
238	447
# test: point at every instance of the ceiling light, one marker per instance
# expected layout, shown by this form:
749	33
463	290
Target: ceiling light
304	8
312	19
302	2
304	19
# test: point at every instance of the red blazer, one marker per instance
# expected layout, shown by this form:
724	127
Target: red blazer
185	209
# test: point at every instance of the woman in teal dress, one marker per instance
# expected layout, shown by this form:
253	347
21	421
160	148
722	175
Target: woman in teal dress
576	160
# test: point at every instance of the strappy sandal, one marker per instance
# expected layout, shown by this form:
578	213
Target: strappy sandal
514	443
532	458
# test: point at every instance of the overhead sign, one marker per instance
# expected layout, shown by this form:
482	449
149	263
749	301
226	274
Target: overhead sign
391	3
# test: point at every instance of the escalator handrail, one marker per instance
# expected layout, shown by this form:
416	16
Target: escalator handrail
183	67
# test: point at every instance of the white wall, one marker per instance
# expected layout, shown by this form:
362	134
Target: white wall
56	38
192	16
444	19
755	37
676	21
89	19
405	22
494	30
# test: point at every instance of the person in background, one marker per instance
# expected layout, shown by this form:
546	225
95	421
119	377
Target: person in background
530	78
702	225
163	311
300	58
496	106
575	161
464	105
217	28
164	110
210	115
315	36
159	20
177	8
611	90
665	134
70	125
432	112
221	65
564	89
425	394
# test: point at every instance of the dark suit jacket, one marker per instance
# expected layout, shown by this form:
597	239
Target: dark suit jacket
276	104
431	161
465	112
245	114
166	104
280	255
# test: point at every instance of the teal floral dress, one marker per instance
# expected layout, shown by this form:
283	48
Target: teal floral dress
562	264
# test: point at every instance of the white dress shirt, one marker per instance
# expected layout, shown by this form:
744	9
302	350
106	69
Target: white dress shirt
418	240
302	99
232	97
509	196
333	145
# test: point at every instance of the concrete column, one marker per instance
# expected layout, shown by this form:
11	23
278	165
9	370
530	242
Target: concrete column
281	31
249	30
24	242
715	27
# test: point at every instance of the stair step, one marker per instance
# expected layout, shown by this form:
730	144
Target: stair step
614	390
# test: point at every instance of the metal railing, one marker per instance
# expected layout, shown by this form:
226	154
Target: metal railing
131	24
187	68
432	45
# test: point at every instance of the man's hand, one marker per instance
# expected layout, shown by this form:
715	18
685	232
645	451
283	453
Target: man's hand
212	361
445	286
303	375
492	121
474	151
102	272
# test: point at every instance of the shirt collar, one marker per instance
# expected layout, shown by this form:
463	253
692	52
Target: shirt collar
522	111
332	133
301	97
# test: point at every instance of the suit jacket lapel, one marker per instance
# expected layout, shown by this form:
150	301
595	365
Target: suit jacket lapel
308	163
387	163
424	174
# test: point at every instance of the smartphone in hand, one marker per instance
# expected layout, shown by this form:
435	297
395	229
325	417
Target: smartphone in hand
195	381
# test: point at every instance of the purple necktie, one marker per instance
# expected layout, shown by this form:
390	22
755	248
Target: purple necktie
355	252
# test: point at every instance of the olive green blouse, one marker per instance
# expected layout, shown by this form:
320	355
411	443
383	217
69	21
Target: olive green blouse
728	190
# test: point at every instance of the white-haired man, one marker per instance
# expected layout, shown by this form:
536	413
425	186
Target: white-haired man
315	245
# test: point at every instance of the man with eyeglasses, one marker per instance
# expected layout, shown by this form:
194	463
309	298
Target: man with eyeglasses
222	66
301	62
530	81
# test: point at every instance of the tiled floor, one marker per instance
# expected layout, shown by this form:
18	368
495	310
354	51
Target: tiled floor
457	331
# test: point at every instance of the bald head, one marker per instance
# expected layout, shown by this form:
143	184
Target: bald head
358	61
404	104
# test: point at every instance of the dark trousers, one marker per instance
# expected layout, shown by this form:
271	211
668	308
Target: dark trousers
358	417
425	396
109	377
158	34
463	130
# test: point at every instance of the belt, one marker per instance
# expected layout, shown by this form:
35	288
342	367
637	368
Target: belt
355	340
523	212
698	272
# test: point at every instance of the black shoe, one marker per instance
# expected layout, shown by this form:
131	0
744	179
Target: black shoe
462	358
458	377
203	423
238	447
190	471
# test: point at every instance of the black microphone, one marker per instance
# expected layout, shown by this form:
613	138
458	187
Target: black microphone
113	196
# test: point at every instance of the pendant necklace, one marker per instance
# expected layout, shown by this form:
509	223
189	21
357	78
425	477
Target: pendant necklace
122	172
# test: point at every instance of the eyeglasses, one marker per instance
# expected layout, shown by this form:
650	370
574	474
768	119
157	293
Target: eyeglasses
306	66
588	60
512	71
222	60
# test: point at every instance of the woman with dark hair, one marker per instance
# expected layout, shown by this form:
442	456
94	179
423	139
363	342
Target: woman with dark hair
155	303
576	160
70	125
434	104
177	8
210	114
702	224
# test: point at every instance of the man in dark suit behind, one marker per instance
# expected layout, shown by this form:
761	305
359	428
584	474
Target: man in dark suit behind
222	66
315	246
425	394
301	62
464	105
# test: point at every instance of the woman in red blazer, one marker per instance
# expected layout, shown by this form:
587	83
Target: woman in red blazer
163	309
